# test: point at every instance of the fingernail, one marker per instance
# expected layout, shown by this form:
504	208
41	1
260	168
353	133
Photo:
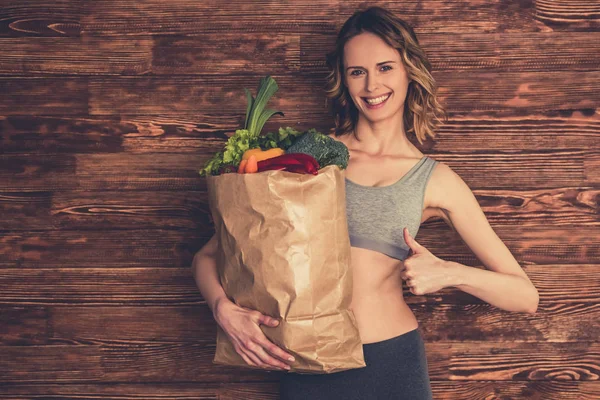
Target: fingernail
291	359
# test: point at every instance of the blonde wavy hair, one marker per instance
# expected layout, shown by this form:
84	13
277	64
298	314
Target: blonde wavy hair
421	108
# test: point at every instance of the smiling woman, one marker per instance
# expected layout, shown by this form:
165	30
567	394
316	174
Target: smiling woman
380	89
379	84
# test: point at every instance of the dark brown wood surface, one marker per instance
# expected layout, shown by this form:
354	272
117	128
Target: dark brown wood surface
109	109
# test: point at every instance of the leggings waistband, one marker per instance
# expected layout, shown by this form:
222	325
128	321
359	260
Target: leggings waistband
404	337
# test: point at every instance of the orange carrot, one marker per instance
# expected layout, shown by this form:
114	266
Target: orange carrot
252	165
242	167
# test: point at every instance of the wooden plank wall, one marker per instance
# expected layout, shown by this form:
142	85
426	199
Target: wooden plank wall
109	108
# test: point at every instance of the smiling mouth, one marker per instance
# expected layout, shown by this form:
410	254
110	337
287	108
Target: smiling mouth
377	100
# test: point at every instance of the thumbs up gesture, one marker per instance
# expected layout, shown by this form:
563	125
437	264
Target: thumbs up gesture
423	272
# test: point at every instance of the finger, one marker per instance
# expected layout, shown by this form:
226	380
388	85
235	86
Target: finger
267	320
251	353
246	358
276	350
267	358
244	354
414	246
271	347
270	360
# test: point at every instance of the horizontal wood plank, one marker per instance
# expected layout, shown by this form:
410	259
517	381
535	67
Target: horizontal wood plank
180	172
175	248
73	210
114	17
562	284
444	317
102	248
206	132
44	95
75	56
284	53
192	362
134	210
233	53
269	390
191	94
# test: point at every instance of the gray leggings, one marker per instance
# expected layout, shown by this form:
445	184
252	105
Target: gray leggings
396	369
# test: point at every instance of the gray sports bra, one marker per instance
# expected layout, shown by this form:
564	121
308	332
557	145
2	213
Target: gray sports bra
378	214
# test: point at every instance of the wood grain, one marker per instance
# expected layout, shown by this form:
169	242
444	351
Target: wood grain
268	390
559	285
110	108
75	56
175	248
171	362
141	209
114	17
555	130
34	18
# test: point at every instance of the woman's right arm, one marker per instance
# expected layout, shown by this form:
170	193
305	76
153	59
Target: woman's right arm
204	269
241	324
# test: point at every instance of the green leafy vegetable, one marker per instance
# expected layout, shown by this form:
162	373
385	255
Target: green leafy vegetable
324	149
256	115
282	139
249	137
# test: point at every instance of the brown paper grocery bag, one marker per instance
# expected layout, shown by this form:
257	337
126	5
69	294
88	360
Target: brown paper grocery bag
285	251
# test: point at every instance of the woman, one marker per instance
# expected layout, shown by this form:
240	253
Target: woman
381	89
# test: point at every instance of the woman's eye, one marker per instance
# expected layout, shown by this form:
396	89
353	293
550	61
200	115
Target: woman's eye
357	70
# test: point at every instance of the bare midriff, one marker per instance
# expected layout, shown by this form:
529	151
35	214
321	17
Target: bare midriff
377	299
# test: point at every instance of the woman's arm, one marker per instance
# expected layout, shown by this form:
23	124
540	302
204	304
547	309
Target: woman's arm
204	270
505	285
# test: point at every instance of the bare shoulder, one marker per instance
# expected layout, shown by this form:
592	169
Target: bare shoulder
446	188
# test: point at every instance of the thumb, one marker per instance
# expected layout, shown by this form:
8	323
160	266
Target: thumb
411	242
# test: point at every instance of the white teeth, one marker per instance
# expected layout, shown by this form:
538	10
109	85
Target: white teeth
377	100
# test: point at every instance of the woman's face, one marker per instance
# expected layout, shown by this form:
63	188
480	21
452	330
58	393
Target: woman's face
374	70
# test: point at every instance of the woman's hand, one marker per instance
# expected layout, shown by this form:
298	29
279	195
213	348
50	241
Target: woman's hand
423	272
241	324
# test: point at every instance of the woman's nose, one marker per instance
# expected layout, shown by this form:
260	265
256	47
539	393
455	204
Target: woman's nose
372	83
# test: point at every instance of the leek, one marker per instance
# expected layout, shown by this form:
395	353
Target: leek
256	115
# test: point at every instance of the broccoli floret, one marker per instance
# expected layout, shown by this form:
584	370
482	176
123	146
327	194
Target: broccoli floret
324	149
